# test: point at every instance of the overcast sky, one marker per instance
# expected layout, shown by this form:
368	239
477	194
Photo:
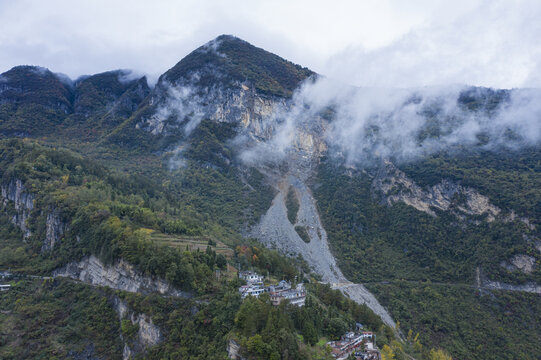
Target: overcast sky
368	43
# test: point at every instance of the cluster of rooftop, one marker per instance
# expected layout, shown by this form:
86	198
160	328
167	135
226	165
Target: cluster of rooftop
361	345
278	293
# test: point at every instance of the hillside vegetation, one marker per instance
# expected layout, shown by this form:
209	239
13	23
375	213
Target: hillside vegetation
180	206
376	244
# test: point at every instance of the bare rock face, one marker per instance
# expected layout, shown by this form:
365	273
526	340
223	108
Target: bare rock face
395	186
497	285
483	283
120	276
512	216
188	105
55	230
23	203
523	263
148	334
273	122
233	350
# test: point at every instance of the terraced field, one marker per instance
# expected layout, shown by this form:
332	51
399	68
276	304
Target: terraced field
192	243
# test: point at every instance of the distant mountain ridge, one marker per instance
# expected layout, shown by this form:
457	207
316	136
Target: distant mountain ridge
34	101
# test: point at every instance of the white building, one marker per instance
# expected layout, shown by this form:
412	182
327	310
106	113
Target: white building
295	296
251	277
251	290
278	293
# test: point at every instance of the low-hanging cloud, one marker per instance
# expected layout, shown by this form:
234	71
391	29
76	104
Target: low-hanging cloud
366	124
178	105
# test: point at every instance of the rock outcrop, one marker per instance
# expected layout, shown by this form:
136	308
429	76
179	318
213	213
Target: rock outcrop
497	285
521	262
148	334
233	350
394	186
187	106
55	230
482	282
23	202
120	276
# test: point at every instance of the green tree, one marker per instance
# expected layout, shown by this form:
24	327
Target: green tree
309	332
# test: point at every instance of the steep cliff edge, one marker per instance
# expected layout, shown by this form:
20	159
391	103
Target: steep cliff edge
55	229
23	202
181	106
147	334
120	276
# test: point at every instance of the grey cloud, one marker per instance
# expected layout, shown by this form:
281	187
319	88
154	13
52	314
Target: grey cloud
495	44
489	43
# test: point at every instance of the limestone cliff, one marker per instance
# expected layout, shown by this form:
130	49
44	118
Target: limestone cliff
520	262
148	334
184	106
393	185
483	283
23	202
55	229
120	276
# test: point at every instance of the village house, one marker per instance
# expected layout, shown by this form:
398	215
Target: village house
282	285
295	296
278	293
362	345
5	287
251	277
251	290
369	353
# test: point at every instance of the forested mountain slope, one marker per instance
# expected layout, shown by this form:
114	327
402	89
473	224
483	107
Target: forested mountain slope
428	197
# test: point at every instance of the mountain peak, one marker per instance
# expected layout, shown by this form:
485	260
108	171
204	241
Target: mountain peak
227	60
228	37
36	85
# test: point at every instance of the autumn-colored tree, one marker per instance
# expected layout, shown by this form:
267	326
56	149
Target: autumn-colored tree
439	355
387	353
